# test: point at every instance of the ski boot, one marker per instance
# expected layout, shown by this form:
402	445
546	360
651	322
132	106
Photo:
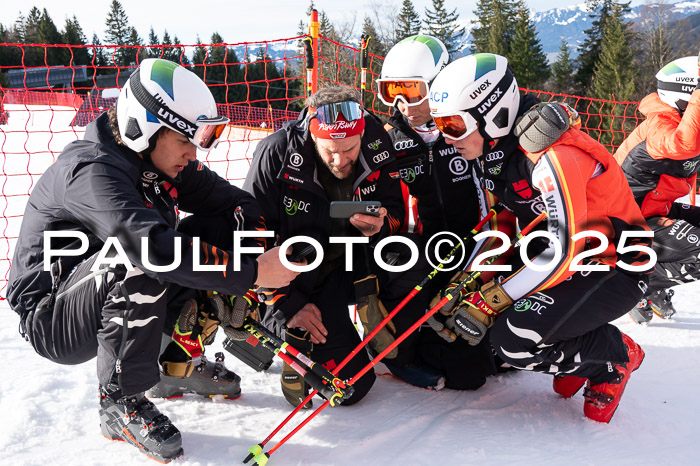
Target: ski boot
207	379
567	385
603	399
642	312
660	303
135	420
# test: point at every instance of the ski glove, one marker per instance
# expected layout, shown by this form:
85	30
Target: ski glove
235	310
455	281
474	315
544	124
294	387
372	312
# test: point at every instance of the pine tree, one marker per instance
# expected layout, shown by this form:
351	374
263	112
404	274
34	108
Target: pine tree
526	58
409	22
199	59
48	34
614	76
154	51
33	56
496	23
180	53
118	32
98	60
443	25
600	12
133	55
614	73
562	70
169	53
73	35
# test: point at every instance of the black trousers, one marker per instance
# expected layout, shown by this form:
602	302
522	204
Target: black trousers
565	329
677	245
117	315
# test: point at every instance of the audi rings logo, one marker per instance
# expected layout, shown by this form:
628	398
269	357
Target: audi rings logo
439	245
488	184
296	159
149	175
493	156
404	144
380	157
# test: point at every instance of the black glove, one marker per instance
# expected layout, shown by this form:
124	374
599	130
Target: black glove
543	125
233	310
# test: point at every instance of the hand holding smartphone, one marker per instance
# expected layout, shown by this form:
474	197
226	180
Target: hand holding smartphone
346	209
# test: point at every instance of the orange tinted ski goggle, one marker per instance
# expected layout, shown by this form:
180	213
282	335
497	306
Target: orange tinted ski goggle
411	91
457	126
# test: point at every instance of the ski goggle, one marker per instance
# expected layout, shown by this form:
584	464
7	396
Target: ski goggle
208	132
456	126
411	91
328	113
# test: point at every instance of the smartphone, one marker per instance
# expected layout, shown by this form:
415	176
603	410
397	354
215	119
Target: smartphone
298	253
345	209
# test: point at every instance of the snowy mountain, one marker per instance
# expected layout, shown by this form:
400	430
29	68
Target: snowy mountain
570	23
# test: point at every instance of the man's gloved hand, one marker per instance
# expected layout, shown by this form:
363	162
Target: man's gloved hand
294	387
474	314
543	125
372	312
233	310
455	281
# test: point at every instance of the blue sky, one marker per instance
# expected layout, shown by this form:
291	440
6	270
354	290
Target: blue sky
235	20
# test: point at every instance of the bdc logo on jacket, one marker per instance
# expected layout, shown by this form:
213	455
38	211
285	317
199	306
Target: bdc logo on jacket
292	206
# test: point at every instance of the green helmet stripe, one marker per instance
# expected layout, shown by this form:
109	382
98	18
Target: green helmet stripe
431	43
162	74
485	62
672	68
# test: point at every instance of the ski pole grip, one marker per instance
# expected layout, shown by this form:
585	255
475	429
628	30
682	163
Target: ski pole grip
308	51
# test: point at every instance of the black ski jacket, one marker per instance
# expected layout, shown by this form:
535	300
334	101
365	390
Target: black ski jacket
105	190
283	178
439	178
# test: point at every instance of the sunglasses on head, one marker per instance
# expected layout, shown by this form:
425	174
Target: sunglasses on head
411	91
328	113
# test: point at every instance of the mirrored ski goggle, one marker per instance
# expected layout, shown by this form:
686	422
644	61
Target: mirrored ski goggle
328	113
411	91
208	132
457	126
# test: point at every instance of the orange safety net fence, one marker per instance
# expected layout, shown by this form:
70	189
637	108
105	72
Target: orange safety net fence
52	91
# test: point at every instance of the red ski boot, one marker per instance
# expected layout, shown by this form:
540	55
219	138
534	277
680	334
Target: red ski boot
602	399
567	385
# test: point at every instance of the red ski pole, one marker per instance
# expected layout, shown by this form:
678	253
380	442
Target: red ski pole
257	449
261	458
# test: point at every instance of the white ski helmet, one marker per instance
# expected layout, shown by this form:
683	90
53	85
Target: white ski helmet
677	80
418	56
483	86
161	93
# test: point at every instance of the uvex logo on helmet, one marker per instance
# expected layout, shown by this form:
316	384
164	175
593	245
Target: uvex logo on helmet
173	120
492	99
477	92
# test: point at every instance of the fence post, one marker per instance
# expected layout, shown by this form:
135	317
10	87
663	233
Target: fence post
314	28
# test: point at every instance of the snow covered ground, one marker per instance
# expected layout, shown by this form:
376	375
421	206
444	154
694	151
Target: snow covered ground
49	412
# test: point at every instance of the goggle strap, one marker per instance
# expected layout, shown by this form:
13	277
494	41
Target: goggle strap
152	105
